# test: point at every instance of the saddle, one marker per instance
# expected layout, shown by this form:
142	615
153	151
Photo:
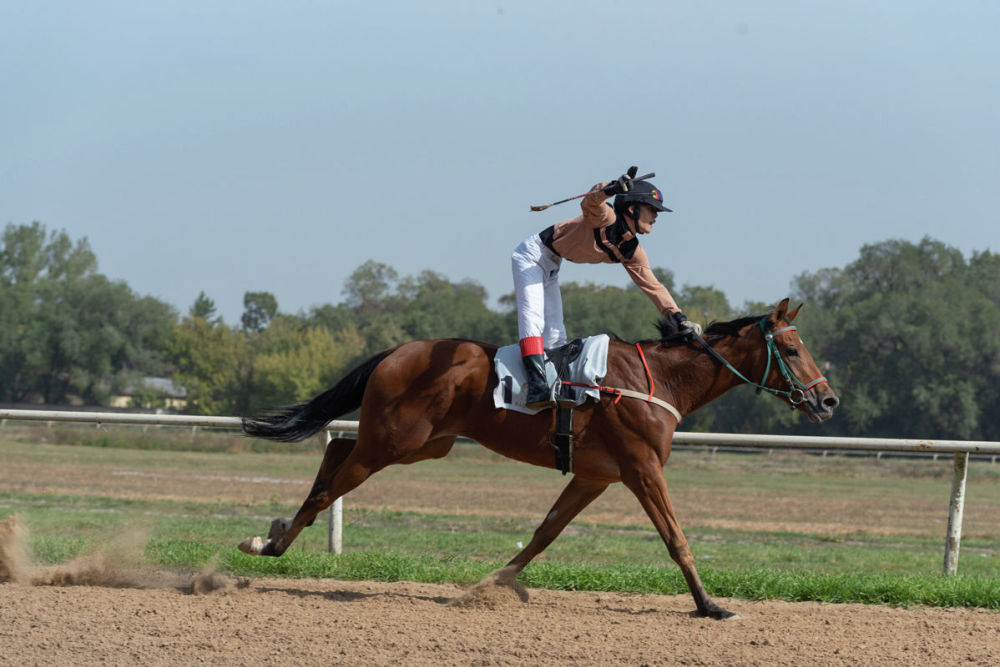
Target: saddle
580	361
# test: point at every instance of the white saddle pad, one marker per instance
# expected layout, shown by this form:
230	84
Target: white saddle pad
589	368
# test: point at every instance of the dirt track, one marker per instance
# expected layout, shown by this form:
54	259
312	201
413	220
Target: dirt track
336	622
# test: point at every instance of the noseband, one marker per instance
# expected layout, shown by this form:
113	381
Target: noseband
796	388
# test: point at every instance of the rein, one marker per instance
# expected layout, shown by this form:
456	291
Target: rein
795	394
797	389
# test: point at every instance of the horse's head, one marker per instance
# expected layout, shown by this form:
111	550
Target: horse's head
790	371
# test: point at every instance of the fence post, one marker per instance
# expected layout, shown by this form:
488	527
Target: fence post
955	509
335	538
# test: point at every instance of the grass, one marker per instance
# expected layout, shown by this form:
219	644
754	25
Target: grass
746	583
390	546
898	567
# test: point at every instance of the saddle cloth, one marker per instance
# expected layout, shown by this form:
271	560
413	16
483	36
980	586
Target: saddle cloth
587	361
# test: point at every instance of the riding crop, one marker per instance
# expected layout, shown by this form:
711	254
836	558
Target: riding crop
542	207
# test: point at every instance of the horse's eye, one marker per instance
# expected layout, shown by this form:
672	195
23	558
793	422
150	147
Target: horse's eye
792	352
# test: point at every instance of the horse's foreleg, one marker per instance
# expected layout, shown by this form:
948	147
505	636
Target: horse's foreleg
332	480
650	488
577	495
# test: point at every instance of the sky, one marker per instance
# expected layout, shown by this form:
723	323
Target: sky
228	147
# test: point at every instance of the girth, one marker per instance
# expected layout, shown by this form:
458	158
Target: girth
564	397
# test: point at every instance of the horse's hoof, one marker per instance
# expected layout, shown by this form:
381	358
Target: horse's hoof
716	614
278	528
252	545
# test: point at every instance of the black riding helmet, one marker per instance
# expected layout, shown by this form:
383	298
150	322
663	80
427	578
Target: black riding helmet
642	192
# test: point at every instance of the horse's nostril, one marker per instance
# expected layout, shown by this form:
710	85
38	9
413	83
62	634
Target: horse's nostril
831	402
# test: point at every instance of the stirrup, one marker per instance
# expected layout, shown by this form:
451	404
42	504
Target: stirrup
563	395
545	404
548	401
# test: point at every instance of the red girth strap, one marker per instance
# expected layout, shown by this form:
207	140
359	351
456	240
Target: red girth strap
649	375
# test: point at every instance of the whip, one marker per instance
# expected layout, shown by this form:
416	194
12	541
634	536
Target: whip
542	207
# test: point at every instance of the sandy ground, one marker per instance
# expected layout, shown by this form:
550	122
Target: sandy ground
336	622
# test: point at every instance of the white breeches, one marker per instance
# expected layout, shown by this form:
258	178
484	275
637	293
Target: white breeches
536	288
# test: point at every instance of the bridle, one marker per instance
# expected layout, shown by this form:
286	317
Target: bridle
796	392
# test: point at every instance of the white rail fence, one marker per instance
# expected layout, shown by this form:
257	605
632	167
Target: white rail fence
959	448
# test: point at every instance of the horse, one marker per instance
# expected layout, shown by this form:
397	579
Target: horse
417	398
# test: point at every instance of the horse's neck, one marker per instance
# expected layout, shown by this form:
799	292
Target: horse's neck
694	378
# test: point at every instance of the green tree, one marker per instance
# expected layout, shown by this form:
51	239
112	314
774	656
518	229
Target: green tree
590	309
295	363
370	284
439	308
908	334
388	310
374	306
705	304
259	308
30	254
69	332
210	361
229	371
334	318
203	307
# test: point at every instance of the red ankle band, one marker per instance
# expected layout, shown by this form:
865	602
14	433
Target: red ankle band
532	345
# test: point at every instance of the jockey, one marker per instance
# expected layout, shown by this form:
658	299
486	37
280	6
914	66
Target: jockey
602	234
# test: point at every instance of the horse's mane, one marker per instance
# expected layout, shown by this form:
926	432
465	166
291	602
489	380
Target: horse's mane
732	327
669	333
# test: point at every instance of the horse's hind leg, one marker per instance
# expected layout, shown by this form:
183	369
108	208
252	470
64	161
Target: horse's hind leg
337	452
344	467
577	495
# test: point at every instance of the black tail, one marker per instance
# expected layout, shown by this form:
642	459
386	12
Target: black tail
298	422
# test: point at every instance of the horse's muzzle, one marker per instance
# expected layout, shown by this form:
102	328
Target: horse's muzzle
820	403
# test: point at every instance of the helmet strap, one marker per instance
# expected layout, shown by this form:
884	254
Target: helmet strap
631	213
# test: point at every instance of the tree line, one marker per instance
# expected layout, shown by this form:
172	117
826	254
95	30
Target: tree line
907	334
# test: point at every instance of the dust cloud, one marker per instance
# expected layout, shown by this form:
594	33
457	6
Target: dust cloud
116	563
498	590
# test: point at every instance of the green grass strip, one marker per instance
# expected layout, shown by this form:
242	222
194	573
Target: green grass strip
766	584
759	584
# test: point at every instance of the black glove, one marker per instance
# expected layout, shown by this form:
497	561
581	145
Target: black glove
623	184
686	327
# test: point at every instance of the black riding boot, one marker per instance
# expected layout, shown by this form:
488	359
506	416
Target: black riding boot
539	395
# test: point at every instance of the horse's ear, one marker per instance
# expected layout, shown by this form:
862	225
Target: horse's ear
779	312
792	313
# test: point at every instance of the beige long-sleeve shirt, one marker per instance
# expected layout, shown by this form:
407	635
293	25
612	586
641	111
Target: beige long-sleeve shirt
600	236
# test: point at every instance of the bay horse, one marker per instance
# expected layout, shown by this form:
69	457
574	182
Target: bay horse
417	398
